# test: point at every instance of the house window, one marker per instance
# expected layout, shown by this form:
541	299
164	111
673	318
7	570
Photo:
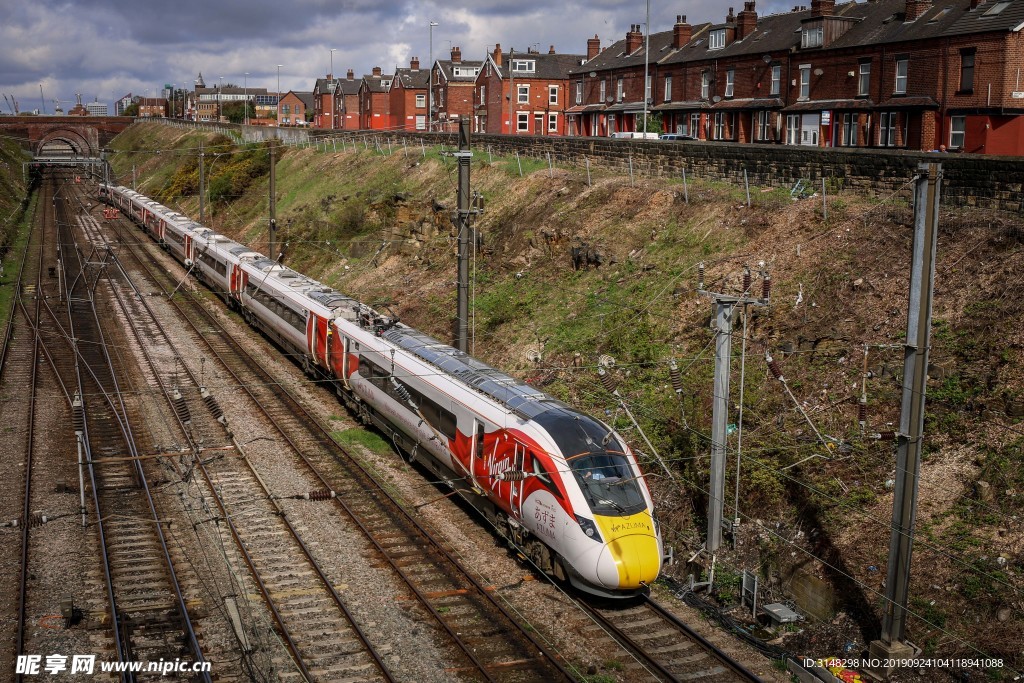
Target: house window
763	126
579	92
967	70
619	90
776	78
523	122
792	129
523	94
957	126
286	109
552	94
805	81
848	133
421	100
716	39
552	123
812	36
864	79
483	94
603	89
611	124
730	82
524	65
901	76
668	88
723	126
421	122
887	123
647	89
705	85
695	124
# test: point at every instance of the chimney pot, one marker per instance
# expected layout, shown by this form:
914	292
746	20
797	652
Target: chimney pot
376	72
351	75
456	54
593	47
681	32
496	55
551	50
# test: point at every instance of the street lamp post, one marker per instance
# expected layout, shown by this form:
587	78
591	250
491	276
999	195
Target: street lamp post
430	81
279	95
333	85
245	114
220	105
647	54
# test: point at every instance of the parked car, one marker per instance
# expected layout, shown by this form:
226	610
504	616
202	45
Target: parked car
677	136
629	135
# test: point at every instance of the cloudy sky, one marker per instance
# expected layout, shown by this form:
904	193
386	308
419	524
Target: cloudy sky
107	49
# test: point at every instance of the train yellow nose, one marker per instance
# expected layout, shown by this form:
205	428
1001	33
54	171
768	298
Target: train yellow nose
631	556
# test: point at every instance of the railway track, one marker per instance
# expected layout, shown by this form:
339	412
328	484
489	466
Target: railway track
490	642
148	617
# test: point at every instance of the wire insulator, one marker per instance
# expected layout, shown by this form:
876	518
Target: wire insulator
78	415
401	391
677	379
862	412
180	407
511	475
746	280
773	367
887	436
607	380
700	275
766	287
213	406
319	494
37	519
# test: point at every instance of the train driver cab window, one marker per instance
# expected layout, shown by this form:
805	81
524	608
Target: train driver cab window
479	440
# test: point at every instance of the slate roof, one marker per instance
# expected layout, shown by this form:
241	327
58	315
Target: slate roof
410	79
548	66
446	65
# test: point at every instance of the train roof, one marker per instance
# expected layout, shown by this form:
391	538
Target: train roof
519	397
320	293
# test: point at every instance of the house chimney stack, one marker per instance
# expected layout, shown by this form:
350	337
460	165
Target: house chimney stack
496	55
730	18
376	72
351	75
974	4
593	47
823	8
456	55
746	21
634	39
915	8
414	63
681	32
551	50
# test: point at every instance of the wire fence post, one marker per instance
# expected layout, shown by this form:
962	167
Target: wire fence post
390	152
366	144
423	148
520	162
551	170
490	159
587	160
746	184
631	170
824	202
334	142
686	190
405	149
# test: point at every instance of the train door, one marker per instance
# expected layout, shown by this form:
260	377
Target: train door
478	464
515	491
161	226
237	281
189	251
317	331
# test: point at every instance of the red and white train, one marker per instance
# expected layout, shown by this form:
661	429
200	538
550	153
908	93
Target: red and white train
561	485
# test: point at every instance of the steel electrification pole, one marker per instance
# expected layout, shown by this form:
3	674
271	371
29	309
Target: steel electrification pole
910	438
202	184
273	203
464	156
430	83
725	306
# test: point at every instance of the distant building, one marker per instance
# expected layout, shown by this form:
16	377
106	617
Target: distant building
123	104
152	107
452	82
407	100
96	108
294	106
374	109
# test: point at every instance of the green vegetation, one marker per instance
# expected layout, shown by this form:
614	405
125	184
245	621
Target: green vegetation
356	436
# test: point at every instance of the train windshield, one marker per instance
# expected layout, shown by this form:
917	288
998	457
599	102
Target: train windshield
607	482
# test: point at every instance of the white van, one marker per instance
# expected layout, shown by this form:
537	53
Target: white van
635	136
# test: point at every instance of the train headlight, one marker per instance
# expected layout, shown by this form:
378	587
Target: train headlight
589	528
